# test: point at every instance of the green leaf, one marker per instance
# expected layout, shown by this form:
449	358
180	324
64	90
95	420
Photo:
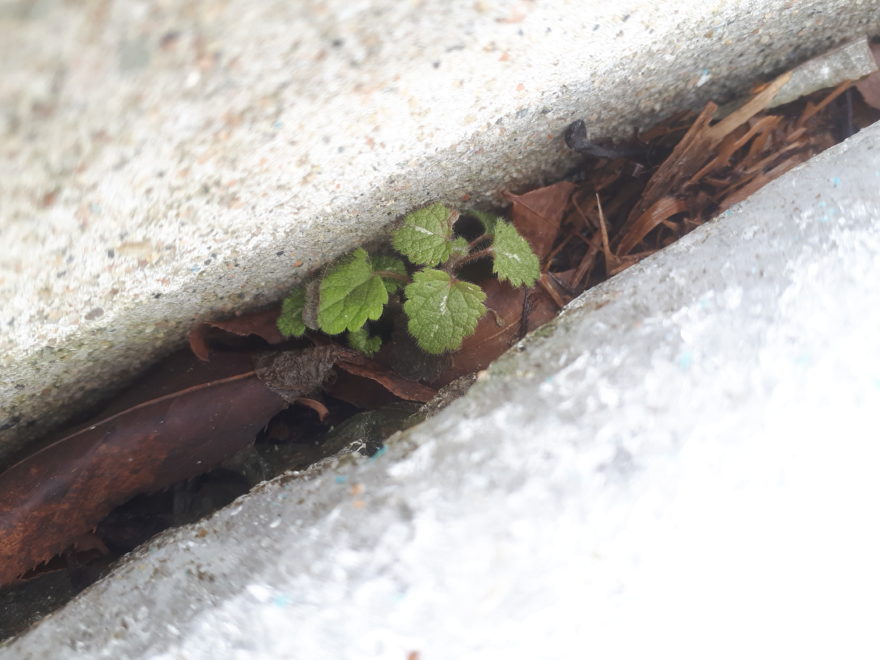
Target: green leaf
360	340
459	247
290	321
351	293
426	235
392	265
488	220
514	260
442	311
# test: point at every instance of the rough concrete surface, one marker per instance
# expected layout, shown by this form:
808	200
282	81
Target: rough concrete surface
683	466
166	160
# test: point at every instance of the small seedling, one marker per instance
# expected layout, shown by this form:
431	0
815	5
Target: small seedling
441	308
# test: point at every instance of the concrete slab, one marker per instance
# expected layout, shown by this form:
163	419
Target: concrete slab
162	161
683	461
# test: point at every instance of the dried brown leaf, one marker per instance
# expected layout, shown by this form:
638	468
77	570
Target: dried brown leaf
759	182
537	215
691	153
51	498
663	208
687	157
403	388
749	109
262	324
180	422
315	405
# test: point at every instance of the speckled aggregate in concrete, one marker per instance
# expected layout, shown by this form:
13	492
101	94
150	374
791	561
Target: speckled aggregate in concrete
682	465
166	160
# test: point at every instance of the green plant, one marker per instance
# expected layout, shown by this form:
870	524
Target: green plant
441	308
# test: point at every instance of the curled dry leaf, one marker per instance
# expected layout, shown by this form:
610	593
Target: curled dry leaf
663	208
319	408
402	388
262	324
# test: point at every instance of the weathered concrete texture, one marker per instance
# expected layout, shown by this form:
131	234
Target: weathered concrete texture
685	464
162	161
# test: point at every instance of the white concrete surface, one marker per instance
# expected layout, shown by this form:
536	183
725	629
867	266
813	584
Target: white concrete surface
685	466
165	160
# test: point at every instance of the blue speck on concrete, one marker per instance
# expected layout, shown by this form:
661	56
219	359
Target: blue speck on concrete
379	453
281	601
835	181
341	479
685	360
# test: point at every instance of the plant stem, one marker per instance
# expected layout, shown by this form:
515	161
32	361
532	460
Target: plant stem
479	239
394	276
473	256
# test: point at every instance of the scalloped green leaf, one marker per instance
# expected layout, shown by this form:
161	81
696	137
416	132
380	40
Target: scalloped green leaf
351	294
360	340
290	322
392	265
514	259
442	310
426	235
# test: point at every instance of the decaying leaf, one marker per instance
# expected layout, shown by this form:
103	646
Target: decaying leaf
51	498
537	215
690	154
655	214
62	491
262	324
402	388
